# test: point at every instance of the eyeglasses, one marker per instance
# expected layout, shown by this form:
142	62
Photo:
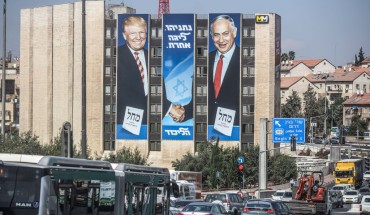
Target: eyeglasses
225	34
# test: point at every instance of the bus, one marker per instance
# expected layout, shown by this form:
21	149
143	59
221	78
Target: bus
55	185
367	135
60	186
334	132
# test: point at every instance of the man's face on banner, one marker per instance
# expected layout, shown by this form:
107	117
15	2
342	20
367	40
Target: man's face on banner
135	36
223	35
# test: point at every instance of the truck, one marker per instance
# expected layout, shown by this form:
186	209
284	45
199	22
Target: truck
310	196
349	171
191	177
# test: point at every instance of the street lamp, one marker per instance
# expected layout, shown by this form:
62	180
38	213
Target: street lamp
311	129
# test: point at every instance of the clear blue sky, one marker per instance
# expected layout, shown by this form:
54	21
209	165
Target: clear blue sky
314	29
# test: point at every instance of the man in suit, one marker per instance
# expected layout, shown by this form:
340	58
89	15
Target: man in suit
132	75
224	69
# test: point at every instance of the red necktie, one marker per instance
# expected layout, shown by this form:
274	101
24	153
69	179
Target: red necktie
217	81
138	62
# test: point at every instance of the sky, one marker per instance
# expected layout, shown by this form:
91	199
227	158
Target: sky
314	29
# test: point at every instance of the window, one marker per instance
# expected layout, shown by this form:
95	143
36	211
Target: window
107	71
114	52
107	52
201	71
201	90
245	146
248	109
202	52
114	108
109	145
107	90
155	90
252	32
107	109
202	32
155	71
201	127
108	33
245	52
251	52
155	109
248	91
248	128
245	32
156	51
248	71
197	145
155	146
156	32
108	127
201	109
155	127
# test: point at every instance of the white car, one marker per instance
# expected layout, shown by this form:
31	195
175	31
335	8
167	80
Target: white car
351	196
341	187
365	205
366	176
284	195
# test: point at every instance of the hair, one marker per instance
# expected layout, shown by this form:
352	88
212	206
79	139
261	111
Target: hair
223	17
133	20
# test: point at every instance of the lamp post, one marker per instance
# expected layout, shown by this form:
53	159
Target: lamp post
311	129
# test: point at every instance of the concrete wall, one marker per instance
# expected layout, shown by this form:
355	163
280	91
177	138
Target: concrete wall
265	82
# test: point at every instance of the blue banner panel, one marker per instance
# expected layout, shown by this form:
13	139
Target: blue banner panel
224	77
132	76
178	76
284	128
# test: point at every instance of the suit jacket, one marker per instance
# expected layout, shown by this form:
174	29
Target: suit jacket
130	87
229	94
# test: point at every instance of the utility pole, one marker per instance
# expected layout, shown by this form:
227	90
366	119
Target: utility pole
3	75
262	182
83	123
325	116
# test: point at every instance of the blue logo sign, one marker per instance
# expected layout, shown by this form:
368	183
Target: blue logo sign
284	128
240	159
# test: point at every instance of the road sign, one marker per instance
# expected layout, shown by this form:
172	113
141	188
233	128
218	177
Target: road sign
240	159
284	128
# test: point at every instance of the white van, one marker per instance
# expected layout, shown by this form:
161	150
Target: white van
342	187
186	190
284	195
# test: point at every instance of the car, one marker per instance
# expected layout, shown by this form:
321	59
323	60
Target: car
366	176
341	187
364	191
266	206
319	140
180	204
365	205
232	202
351	196
334	140
336	198
206	208
284	195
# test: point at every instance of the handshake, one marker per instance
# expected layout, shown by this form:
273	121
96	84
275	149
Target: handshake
177	112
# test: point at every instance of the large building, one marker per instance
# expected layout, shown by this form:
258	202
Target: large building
51	78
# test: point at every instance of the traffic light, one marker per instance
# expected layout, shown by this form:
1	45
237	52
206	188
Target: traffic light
240	173
293	144
66	140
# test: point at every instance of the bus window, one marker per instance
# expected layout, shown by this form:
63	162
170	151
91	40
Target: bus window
367	135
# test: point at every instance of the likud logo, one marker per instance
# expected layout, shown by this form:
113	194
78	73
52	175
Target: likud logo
262	19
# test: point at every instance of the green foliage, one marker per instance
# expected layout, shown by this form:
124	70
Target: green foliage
126	155
281	168
292	107
322	154
212	158
291	55
357	124
361	56
284	57
25	143
336	110
311	106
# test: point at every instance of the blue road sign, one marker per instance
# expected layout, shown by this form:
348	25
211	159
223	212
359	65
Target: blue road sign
284	128
240	160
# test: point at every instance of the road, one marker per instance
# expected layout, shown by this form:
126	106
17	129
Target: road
347	209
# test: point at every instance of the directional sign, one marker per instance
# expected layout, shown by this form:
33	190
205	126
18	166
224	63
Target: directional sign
284	128
240	160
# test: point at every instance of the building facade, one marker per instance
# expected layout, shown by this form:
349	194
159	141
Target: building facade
52	89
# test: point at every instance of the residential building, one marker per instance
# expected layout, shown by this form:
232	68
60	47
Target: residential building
298	68
52	90
357	104
297	84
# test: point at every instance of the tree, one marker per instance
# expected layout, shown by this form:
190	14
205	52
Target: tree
126	155
284	57
311	106
356	61
336	110
292	107
357	124
291	55
281	168
361	56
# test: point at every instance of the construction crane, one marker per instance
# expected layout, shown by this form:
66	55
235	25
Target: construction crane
163	7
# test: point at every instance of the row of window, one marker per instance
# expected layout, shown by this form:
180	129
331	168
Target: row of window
201	71
156	32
